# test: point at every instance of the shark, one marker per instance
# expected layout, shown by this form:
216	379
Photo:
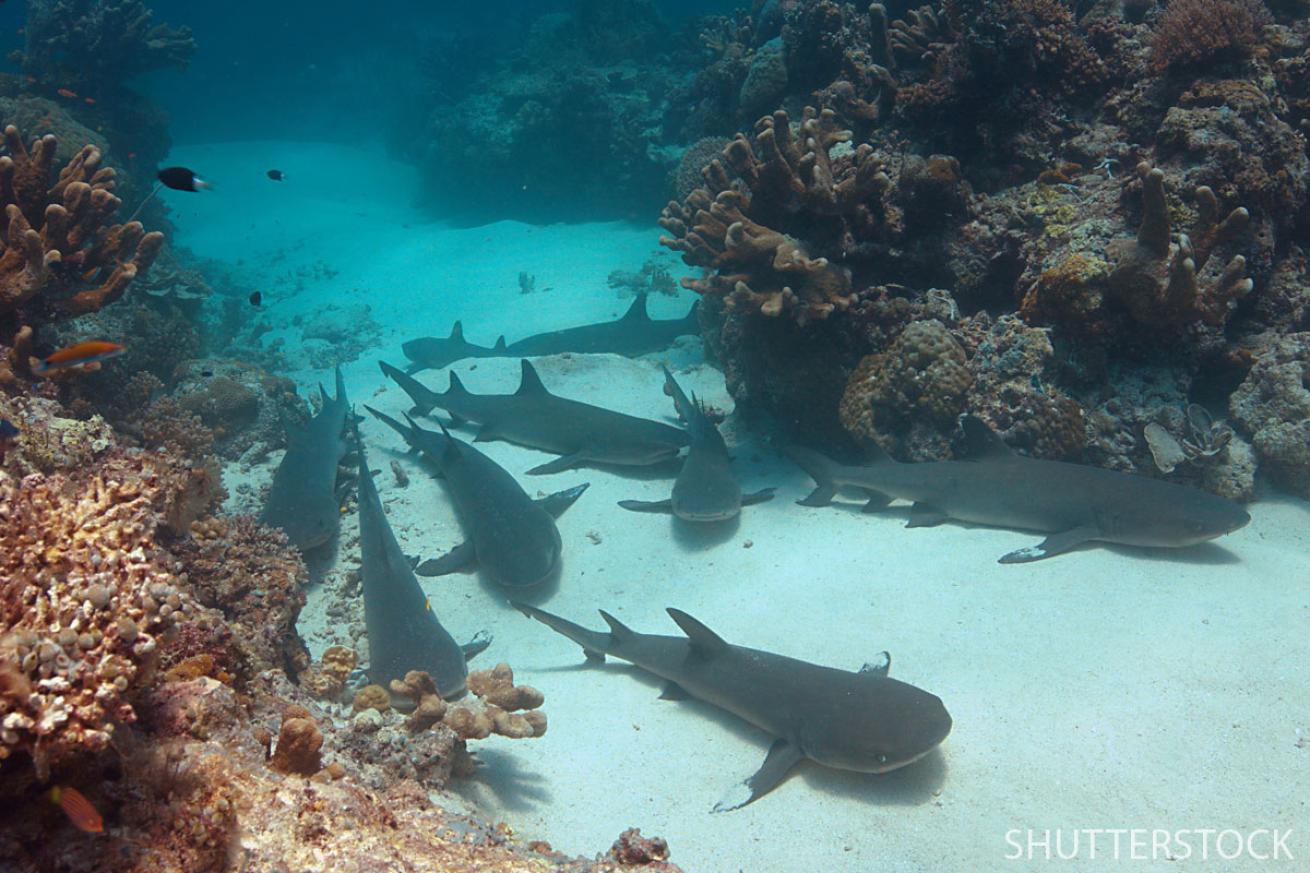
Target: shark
431	352
403	632
512	537
303	499
706	489
862	720
634	334
578	432
1073	504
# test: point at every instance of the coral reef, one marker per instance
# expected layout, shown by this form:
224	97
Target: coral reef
62	256
502	707
1272	406
1192	32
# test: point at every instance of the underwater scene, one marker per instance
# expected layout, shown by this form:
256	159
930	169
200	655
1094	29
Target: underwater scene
750	436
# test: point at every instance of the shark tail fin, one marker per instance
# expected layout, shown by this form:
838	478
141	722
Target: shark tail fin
594	643
423	399
392	423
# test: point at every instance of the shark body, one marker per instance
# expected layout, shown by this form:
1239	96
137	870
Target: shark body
512	537
436	352
533	417
1072	503
706	489
635	333
863	721
403	632
303	499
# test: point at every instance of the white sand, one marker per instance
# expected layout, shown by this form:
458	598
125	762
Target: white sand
1109	688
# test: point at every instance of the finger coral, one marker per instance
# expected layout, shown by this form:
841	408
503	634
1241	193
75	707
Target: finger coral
737	226
62	256
1164	282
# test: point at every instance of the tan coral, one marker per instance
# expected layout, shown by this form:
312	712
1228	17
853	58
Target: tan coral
1168	282
85	601
732	226
498	708
61	255
327	679
299	744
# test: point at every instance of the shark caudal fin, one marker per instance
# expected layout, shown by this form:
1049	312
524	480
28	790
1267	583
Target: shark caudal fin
424	399
595	644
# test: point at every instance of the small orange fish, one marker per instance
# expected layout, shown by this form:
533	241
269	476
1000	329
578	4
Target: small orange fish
31	80
79	355
64	92
89	101
78	809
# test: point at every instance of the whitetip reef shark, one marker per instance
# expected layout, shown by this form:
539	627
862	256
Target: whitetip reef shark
533	417
512	537
863	721
303	499
403	631
706	489
1072	503
436	352
634	334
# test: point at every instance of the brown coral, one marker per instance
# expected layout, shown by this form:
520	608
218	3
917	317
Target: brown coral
61	255
85	599
735	226
1193	31
1164	282
299	745
502	707
327	679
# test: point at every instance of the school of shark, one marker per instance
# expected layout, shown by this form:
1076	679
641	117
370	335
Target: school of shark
858	720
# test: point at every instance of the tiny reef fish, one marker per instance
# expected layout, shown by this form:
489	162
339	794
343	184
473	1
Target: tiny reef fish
65	92
256	298
78	809
182	179
276	175
79	355
8	431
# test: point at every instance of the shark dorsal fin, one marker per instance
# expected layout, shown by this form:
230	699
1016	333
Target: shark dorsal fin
637	311
704	642
456	386
457	332
530	382
981	443
500	344
618	630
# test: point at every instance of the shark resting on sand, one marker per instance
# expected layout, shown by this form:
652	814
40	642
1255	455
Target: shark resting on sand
863	721
1072	503
303	499
706	489
436	352
512	537
403	632
635	333
579	432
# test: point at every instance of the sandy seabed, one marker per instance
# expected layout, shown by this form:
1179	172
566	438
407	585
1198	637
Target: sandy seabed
1108	688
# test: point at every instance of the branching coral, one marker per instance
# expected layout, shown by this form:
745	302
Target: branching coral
61	255
1163	282
99	43
1194	31
736	226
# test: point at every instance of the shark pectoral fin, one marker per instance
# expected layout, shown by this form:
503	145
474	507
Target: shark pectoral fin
459	558
783	755
1055	544
647	505
820	496
556	503
923	515
762	496
456	420
673	691
476	646
877	502
563	462
879	666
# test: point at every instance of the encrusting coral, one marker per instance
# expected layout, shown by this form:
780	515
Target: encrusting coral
62	256
501	708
